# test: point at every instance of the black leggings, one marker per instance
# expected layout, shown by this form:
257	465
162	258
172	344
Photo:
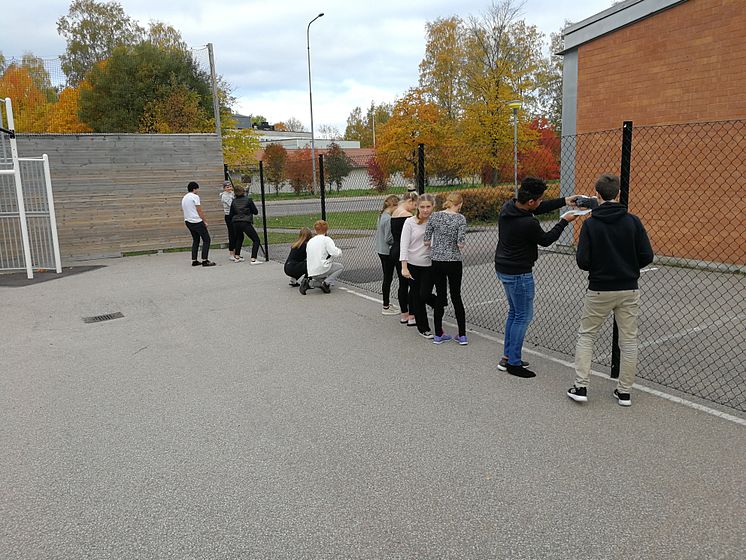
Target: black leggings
388	265
421	289
199	231
247	228
404	294
231	233
448	273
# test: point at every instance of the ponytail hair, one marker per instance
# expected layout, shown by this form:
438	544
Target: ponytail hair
453	199
389	202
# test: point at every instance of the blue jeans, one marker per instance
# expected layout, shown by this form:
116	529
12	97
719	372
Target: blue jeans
520	291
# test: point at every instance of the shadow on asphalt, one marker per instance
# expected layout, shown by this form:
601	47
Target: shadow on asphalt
19	280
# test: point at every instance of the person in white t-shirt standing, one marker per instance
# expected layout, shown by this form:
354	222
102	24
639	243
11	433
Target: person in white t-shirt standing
322	271
194	218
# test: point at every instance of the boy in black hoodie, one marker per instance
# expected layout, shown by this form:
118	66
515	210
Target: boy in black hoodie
613	247
519	235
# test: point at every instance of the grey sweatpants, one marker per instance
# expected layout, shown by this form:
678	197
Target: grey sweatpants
330	277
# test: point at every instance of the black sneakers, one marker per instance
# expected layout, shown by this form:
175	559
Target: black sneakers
304	285
578	394
519	371
206	263
326	288
196	263
503	364
624	399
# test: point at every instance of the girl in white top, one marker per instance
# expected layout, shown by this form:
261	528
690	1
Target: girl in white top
226	198
416	264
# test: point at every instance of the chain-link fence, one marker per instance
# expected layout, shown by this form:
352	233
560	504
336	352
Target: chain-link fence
144	91
686	183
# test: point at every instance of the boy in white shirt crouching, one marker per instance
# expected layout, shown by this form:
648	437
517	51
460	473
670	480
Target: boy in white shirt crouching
322	271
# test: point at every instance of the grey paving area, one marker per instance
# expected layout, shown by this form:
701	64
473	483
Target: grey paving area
227	416
692	333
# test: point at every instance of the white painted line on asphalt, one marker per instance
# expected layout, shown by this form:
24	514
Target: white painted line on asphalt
571	365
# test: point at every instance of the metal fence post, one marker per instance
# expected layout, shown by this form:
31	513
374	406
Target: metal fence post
215	100
421	168
623	199
264	210
322	187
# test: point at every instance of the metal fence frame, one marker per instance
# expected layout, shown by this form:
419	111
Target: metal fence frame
33	205
678	348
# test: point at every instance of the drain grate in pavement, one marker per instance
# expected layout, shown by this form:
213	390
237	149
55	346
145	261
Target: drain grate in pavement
101	318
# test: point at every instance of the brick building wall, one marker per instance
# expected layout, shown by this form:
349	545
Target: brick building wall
686	64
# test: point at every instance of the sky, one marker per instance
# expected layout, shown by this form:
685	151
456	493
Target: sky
361	51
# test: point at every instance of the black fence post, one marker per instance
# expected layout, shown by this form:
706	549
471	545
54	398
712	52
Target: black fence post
264	210
421	168
623	199
323	187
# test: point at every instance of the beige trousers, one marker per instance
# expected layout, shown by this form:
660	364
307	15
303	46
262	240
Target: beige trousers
626	306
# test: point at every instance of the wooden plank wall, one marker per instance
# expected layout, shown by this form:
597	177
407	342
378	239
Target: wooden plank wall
118	193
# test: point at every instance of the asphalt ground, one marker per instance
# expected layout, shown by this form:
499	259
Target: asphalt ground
692	336
227	416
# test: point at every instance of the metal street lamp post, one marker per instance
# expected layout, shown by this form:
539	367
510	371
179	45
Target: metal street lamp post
310	97
515	105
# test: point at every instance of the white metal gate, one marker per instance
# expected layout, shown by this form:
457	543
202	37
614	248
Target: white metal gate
28	226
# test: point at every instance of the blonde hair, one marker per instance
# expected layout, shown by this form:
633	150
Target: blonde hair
303	235
453	199
389	202
238	190
412	195
424	198
321	226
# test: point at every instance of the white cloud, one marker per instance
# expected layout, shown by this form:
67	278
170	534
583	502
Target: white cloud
361	51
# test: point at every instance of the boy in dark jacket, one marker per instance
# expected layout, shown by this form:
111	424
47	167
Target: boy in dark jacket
520	234
613	247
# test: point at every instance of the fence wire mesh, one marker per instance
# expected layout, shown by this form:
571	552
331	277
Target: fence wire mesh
686	184
46	100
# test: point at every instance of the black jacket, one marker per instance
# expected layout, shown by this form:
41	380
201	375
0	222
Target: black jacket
243	209
520	233
613	247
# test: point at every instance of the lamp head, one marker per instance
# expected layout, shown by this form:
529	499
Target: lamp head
321	14
515	105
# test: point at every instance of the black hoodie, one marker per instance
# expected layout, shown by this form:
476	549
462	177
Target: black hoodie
519	234
613	247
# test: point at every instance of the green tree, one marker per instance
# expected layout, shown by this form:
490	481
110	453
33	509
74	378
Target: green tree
92	31
2	63
164	36
135	78
337	165
362	127
440	70
275	160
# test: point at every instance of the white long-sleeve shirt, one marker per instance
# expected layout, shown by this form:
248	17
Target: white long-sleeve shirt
413	249
319	252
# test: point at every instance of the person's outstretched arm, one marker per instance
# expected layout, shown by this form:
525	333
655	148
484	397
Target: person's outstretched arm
644	250
583	252
331	248
252	207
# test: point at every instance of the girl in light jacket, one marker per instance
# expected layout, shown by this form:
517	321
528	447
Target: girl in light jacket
384	241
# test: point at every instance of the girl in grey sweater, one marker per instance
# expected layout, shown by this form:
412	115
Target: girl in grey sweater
384	241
